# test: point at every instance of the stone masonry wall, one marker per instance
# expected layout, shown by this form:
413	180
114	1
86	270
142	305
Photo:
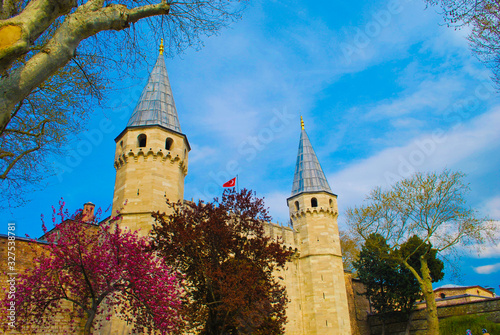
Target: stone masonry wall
489	308
24	251
359	306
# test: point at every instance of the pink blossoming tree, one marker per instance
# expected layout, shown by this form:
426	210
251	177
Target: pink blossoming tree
98	269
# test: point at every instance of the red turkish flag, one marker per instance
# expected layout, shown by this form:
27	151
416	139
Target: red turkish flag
230	183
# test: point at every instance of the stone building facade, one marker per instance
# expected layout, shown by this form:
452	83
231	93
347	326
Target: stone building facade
151	162
450	294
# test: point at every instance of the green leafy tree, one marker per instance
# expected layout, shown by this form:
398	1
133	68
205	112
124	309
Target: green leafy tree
409	288
412	250
431	206
378	271
228	262
390	286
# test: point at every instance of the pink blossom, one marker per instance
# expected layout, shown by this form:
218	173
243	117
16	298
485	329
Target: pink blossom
98	268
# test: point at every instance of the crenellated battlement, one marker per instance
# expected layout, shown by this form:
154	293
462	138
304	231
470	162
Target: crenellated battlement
314	210
287	235
149	155
151	162
318	287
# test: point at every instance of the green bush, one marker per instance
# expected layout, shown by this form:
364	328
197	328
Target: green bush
458	325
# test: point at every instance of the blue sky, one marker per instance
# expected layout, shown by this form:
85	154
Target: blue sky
385	90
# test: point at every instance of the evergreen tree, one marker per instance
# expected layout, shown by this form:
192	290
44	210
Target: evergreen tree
390	286
378	271
413	249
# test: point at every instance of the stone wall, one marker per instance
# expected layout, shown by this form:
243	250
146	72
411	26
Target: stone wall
464	290
359	306
489	308
25	250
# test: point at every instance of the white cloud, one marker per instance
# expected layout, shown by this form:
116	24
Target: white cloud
487	269
485	250
428	152
492	208
490	251
431	94
202	154
447	39
276	201
406	122
230	117
479	251
388	32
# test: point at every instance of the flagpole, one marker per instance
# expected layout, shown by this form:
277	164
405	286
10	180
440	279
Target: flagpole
237	186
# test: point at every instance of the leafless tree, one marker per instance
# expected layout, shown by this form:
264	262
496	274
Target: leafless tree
350	244
54	59
483	17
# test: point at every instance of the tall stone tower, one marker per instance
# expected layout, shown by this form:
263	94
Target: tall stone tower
313	211
151	156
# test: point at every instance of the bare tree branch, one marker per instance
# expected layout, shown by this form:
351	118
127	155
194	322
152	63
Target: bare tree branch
42	77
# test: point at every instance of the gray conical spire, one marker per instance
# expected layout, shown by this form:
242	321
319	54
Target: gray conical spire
309	176
156	105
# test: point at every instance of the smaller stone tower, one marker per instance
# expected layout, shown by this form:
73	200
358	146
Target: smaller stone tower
151	156
313	212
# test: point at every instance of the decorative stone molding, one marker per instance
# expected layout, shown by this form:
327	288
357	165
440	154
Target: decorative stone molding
314	210
133	156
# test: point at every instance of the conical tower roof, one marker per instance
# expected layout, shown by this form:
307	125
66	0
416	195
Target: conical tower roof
309	176
156	105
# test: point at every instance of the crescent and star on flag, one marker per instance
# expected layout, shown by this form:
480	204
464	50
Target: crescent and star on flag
230	183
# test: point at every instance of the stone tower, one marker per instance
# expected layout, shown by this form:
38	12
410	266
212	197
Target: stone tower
151	156
313	212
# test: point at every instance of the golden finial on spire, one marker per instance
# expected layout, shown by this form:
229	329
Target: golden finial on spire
161	47
301	122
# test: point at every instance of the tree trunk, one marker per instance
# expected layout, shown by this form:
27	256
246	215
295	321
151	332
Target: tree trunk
430	299
90	321
86	21
408	324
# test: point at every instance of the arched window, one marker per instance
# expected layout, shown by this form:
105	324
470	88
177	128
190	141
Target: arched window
141	140
331	203
442	295
314	202
297	205
168	143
